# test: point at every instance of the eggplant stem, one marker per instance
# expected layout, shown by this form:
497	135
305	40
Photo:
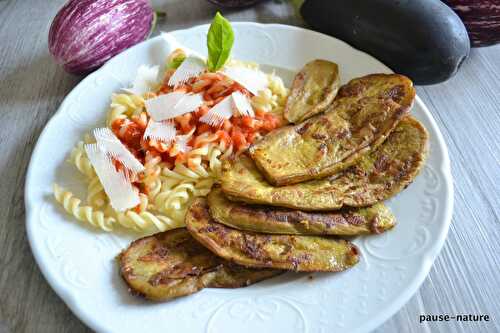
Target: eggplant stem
157	15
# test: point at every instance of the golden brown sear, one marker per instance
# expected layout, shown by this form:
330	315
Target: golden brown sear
172	264
397	87
313	90
352	126
297	253
267	219
376	176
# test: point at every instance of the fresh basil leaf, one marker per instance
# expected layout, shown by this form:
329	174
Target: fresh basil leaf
220	39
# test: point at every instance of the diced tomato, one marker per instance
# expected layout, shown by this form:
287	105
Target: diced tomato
180	158
250	136
184	122
247	121
238	138
202	128
270	122
259	114
202	110
224	137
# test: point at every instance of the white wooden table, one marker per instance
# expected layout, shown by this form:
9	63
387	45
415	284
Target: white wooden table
464	279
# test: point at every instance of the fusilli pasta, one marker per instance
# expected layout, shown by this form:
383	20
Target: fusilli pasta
83	213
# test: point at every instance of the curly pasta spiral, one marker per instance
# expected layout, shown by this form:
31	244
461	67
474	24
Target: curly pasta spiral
96	196
146	221
152	170
83	213
124	106
78	157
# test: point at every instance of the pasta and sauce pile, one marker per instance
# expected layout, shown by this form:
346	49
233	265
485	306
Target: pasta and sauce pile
179	168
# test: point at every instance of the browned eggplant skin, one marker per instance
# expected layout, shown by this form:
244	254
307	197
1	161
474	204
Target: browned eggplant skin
172	264
362	116
313	90
266	219
374	178
397	87
390	169
289	252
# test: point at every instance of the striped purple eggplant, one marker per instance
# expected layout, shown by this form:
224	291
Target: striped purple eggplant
481	18
86	33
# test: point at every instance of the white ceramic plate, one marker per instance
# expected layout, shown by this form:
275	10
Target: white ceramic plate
78	262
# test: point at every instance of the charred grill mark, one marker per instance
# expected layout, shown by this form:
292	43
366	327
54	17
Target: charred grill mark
355	219
159	252
159	278
382	163
208	229
300	259
323	148
396	93
251	247
319	136
303	128
352	89
343	134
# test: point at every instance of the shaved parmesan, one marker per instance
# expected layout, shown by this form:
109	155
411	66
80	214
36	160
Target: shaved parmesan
222	110
159	107
171	105
112	146
163	131
189	102
145	80
191	67
242	105
253	80
116	184
181	142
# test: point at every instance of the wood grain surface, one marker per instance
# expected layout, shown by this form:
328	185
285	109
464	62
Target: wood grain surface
464	279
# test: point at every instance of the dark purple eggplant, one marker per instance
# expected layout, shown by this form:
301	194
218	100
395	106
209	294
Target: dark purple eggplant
422	39
481	18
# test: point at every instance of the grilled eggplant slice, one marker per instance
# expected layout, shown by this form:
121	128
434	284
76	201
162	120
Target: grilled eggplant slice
397	87
377	176
328	143
172	264
297	253
348	222
313	89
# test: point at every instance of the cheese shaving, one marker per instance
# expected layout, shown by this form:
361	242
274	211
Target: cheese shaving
242	105
113	147
171	105
116	184
222	110
145	80
191	67
253	80
182	143
163	131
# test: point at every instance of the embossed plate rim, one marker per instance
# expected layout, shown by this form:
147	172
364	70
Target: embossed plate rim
71	299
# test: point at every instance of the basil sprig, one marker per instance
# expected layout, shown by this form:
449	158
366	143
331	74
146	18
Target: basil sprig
220	39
